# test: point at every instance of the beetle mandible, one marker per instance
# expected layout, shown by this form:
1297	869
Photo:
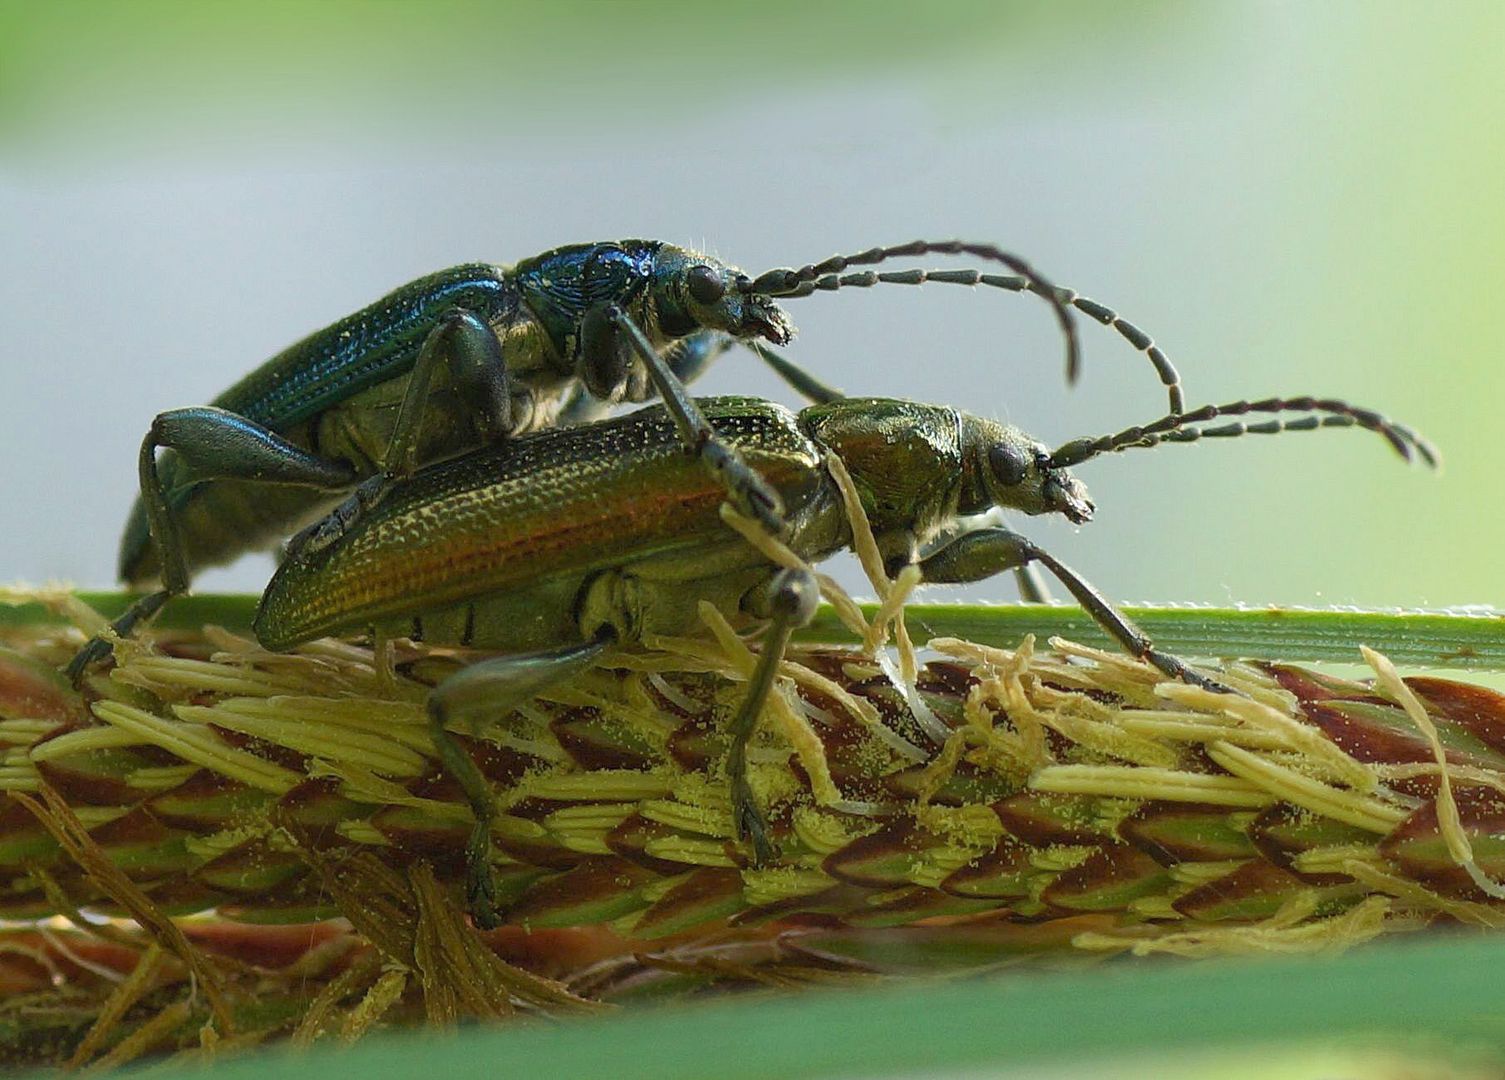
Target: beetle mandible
559	545
479	352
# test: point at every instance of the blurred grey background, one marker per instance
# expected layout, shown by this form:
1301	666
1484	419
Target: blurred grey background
1290	198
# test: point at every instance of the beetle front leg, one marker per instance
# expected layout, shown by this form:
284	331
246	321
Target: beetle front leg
750	493
491	689
982	553
788	601
214	444
797	378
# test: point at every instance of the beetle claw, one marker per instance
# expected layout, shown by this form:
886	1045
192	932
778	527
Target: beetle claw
480	885
96	650
750	823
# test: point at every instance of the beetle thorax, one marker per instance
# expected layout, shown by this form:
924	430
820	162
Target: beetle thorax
903	457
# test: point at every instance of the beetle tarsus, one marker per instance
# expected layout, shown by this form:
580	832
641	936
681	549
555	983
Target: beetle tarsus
753	496
367	495
98	648
750	823
1179	669
788	600
92	653
480	880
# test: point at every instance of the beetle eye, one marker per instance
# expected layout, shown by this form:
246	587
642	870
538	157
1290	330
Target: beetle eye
1009	463
706	286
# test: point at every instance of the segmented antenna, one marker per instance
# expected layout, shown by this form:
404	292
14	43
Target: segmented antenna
1177	428
1136	337
789	283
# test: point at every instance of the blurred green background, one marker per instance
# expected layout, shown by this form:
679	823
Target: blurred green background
1291	197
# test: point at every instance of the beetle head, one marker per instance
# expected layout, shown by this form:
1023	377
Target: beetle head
1018	474
691	291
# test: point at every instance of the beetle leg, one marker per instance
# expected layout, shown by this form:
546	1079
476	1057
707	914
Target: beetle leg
1032	587
750	493
214	444
604	365
470	347
217	444
338	521
687	359
1030	582
788	601
488	690
982	553
97	648
479	370
804	384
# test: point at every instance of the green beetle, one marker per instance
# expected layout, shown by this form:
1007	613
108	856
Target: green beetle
559	545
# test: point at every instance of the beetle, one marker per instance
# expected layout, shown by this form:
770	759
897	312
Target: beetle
480	352
556	546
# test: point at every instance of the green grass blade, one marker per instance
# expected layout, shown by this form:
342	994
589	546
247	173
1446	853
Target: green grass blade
1433	639
1444	988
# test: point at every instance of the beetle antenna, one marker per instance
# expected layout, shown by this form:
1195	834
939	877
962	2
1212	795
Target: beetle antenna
794	283
1178	428
1137	338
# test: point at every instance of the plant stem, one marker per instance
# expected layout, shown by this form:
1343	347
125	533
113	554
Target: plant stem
1433	639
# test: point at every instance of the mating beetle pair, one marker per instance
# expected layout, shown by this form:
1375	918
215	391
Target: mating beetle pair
477	353
558	544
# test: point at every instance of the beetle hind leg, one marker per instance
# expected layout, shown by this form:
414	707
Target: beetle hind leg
97	648
212	443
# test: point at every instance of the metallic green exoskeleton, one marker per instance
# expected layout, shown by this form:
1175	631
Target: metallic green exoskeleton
476	353
555	546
